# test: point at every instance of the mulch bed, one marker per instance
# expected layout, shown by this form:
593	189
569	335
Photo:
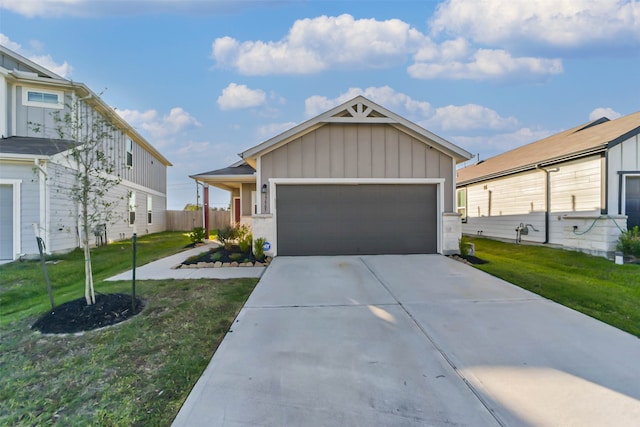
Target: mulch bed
470	259
76	316
223	255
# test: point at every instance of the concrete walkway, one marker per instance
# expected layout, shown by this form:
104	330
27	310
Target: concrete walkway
165	269
411	341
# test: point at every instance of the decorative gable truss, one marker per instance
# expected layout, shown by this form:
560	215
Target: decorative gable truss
359	112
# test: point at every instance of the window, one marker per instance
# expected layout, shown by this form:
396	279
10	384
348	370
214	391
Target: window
149	209
132	208
42	98
461	203
130	152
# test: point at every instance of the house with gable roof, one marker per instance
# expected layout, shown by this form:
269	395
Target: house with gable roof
35	171
577	189
357	179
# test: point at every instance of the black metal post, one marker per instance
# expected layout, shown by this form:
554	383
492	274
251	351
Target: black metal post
44	270
133	284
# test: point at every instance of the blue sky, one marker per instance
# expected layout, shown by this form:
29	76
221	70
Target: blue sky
204	80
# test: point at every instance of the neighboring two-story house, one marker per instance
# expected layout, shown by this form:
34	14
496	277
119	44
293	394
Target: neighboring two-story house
35	171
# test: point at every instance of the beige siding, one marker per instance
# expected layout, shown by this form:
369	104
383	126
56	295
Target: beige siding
358	151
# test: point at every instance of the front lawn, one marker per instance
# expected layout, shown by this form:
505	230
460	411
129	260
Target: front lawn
592	285
136	373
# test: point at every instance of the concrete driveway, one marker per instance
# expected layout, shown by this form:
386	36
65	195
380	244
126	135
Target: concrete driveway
416	340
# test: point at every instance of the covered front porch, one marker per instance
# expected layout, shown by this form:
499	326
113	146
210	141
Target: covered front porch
239	180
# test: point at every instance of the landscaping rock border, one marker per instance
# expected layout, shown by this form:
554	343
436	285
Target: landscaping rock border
219	264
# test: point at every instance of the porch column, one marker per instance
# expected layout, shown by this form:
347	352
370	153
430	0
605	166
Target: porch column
205	208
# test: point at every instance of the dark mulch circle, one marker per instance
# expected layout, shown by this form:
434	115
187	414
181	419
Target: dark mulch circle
474	260
76	316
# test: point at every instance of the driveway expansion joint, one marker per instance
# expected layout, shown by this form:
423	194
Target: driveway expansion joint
470	386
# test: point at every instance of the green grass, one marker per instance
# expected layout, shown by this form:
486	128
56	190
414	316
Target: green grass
592	285
23	289
137	373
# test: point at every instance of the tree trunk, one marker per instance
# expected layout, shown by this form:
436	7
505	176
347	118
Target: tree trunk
89	294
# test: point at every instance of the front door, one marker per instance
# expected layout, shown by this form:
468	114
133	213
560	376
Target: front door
236	210
632	201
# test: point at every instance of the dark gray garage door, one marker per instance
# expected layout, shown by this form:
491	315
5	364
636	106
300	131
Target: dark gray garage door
356	219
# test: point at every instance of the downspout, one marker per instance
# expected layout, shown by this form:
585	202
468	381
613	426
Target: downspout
547	209
43	201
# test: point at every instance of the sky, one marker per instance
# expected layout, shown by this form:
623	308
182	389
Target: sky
203	80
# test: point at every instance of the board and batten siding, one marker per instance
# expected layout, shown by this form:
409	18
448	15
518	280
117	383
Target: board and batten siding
495	208
576	187
624	157
359	151
39	122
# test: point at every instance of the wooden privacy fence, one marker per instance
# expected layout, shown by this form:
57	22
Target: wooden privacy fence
188	220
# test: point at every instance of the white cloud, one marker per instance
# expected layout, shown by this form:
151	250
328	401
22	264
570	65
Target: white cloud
64	70
273	129
237	96
492	145
316	44
83	8
559	23
607	112
447	118
384	95
486	64
150	124
470	117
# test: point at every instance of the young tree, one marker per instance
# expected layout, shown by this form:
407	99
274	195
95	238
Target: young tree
94	172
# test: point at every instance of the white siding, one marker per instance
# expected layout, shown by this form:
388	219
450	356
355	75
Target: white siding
515	199
576	186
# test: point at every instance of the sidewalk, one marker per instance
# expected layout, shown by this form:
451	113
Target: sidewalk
165	269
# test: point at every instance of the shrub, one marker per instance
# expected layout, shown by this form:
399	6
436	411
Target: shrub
245	243
227	235
258	248
464	246
197	235
235	256
629	242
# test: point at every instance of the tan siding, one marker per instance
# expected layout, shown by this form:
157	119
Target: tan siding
359	151
364	151
419	154
392	144
350	151
294	155
337	151
378	153
404	155
308	155
323	151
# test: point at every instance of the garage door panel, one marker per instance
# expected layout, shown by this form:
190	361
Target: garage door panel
356	219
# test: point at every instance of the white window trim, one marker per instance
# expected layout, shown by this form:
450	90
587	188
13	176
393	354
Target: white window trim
149	209
26	102
623	193
130	143
458	207
132	208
